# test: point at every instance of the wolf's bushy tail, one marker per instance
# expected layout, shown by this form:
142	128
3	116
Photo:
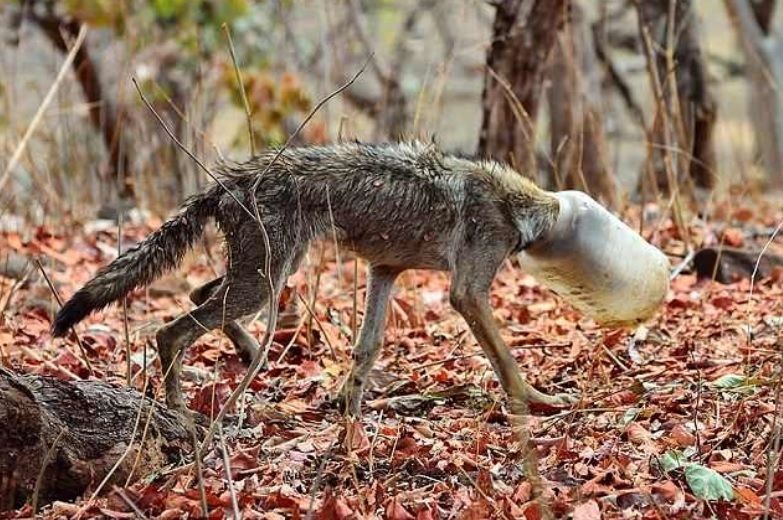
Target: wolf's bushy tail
139	266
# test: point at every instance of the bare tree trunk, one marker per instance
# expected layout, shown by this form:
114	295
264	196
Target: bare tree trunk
762	47
690	104
104	116
87	426
577	137
523	35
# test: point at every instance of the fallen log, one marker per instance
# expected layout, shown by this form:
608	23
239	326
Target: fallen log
730	264
77	431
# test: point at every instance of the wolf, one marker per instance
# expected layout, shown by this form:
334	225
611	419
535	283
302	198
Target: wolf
405	205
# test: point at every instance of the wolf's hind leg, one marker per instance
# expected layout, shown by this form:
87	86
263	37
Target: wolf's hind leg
230	301
245	344
243	291
370	338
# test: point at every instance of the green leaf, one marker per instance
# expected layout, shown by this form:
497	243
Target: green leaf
707	483
168	9
730	381
630	415
736	383
672	460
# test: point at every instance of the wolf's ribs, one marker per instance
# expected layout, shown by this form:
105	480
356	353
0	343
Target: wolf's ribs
96	421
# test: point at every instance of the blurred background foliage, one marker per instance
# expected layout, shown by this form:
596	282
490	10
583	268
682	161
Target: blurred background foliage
100	149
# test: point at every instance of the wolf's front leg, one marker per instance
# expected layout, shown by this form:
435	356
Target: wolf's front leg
381	281
470	297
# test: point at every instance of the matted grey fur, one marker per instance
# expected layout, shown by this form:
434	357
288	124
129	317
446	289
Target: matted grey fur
400	206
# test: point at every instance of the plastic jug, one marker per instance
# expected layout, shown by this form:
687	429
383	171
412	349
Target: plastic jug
598	264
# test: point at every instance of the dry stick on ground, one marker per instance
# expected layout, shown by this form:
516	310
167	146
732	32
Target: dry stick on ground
370	458
773	452
128	367
125	498
66	66
290	343
60	303
314	295
144	432
487	499
227	469
44	464
317	481
202	490
313	317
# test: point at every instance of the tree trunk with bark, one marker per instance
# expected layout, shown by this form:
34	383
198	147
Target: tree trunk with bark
577	139
763	49
523	35
689	103
73	433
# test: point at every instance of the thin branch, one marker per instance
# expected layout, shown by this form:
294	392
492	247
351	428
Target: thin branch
128	366
313	317
227	468
742	15
616	78
381	71
190	154
60	303
125	498
17	155
317	481
242	93
47	459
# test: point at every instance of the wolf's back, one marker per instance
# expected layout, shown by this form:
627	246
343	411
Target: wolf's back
139	266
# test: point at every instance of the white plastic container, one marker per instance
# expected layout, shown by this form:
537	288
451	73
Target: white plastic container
599	264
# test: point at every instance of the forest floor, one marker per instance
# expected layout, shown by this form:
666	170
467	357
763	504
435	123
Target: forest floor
674	421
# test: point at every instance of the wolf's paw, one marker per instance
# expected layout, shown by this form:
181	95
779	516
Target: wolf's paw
539	399
565	399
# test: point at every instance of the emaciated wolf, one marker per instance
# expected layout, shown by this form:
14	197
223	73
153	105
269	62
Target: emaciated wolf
399	206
